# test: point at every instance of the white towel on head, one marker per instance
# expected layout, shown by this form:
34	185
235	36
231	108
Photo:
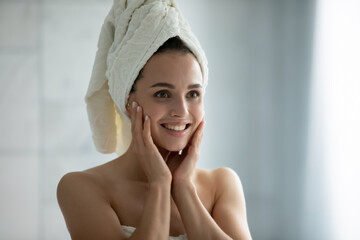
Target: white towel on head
132	32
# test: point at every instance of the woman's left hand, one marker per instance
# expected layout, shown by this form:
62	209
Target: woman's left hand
183	166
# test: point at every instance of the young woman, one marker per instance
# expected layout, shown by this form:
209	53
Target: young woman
154	189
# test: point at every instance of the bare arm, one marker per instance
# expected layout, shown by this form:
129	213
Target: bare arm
155	221
86	207
228	220
197	221
229	211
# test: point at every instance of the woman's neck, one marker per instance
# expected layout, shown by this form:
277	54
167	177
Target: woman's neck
132	164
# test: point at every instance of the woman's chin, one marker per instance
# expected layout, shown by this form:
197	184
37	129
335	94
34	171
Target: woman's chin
175	147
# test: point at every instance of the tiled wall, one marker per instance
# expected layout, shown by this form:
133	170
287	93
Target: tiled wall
46	54
19	113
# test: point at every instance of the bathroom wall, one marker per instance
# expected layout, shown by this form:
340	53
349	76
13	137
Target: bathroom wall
256	105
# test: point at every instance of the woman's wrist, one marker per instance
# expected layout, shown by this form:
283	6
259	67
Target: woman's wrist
181	187
161	184
182	182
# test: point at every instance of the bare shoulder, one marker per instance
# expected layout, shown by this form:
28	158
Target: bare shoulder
225	176
78	188
83	201
218	172
211	184
78	183
219	178
92	182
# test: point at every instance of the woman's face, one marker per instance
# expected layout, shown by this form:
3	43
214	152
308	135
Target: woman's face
170	93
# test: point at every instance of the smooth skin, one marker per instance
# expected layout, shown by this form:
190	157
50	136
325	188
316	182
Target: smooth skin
152	187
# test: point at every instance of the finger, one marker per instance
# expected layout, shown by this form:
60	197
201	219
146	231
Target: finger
138	128
196	139
132	116
148	141
192	157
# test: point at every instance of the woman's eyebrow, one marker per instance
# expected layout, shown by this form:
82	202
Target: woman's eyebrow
163	85
194	86
168	85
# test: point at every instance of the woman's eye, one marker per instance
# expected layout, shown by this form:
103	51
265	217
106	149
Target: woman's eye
162	94
193	94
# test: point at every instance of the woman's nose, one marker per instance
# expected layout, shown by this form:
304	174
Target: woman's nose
179	108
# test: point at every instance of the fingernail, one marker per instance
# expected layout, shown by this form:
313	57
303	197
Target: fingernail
133	104
146	117
138	108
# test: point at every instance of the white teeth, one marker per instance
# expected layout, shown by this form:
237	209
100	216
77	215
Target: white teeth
175	128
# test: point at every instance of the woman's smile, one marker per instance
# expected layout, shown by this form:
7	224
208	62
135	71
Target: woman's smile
179	129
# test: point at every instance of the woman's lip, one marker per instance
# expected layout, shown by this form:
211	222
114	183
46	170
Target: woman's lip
176	123
176	133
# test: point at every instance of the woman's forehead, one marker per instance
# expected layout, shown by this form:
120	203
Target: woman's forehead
172	68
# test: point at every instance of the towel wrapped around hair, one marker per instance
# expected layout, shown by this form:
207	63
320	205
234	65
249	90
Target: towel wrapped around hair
132	32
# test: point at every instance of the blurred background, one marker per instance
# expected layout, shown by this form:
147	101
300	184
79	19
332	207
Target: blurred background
282	110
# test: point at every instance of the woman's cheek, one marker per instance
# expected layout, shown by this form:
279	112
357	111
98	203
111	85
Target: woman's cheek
200	113
147	110
153	115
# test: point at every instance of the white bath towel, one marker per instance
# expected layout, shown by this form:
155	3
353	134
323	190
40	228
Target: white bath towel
130	35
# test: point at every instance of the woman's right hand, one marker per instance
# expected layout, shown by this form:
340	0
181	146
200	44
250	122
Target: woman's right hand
146	152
